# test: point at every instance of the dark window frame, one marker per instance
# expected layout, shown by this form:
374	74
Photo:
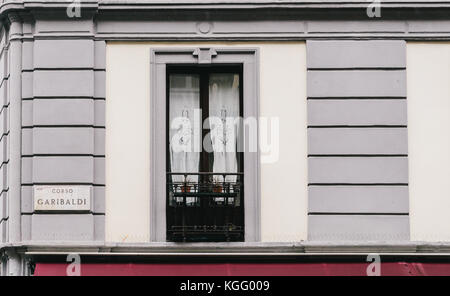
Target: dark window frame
204	72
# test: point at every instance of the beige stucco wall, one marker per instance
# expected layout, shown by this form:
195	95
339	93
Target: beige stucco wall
428	70
282	95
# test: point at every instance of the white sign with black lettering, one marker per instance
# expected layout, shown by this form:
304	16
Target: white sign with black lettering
62	198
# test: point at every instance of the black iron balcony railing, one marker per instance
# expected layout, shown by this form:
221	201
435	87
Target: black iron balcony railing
205	207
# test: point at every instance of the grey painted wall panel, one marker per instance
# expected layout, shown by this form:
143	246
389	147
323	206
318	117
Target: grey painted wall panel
99	199
3	206
358	199
4	65
3	231
356	83
99	227
4	97
64	83
137	26
357	112
4	121
66	25
3	94
27	141
27	56
26	227
353	212
356	54
73	169
27	84
99	113
27	199
99	147
255	27
63	112
27	113
73	227
27	170
3	61
355	26
63	140
56	53
4	176
6	203
357	141
99	174
99	54
429	26
358	228
359	170
4	147
100	84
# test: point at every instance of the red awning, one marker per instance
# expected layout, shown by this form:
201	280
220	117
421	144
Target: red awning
246	269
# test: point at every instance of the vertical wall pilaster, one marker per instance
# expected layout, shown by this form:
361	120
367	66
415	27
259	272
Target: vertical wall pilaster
63	126
15	111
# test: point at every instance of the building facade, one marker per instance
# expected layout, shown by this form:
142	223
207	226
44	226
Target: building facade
345	131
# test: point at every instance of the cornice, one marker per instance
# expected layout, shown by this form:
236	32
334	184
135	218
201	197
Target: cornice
260	8
256	248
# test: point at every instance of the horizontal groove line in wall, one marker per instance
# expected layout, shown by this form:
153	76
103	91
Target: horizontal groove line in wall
358	126
60	69
63	155
62	212
64	69
356	214
357	98
63	183
61	98
357	155
357	184
63	126
359	69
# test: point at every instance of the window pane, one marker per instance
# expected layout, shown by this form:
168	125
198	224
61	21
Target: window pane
223	113
184	104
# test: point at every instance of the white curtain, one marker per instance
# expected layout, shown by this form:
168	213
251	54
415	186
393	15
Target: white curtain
184	100
223	113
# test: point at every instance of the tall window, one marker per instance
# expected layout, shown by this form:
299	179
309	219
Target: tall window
204	160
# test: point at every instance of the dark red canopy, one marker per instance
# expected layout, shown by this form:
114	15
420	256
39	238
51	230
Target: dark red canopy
245	269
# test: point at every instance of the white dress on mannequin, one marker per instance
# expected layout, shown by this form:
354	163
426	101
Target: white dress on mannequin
223	113
184	100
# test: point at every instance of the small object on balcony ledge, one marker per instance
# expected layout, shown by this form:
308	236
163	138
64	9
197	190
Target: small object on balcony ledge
186	188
